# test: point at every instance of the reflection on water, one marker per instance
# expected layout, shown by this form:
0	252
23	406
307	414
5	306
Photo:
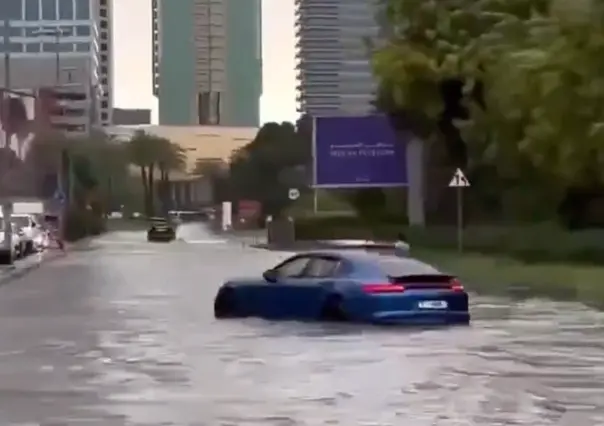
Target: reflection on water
525	364
124	351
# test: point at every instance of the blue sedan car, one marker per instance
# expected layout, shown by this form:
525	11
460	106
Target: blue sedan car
358	286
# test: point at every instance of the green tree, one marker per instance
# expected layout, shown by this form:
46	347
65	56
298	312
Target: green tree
153	154
260	170
514	86
171	158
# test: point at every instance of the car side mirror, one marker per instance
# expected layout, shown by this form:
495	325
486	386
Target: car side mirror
270	275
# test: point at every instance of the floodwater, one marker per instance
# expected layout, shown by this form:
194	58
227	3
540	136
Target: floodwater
123	334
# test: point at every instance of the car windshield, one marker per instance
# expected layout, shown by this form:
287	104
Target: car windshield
400	267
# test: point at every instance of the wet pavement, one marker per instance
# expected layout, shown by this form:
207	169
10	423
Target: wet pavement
123	334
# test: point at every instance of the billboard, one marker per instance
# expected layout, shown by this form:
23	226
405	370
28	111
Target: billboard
357	152
26	169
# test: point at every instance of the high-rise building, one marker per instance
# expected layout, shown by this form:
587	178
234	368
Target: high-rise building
207	61
106	70
63	44
334	70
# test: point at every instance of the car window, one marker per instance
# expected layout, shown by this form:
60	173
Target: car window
322	267
292	268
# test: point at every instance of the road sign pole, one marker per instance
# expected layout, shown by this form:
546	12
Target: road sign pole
459	182
460	218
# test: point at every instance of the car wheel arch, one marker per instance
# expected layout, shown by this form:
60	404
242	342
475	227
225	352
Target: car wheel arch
332	307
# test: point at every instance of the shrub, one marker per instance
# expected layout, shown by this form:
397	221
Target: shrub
81	223
528	243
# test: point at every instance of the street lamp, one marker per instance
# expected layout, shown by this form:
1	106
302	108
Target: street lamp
7	206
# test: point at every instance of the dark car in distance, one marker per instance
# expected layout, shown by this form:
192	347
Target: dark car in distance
161	230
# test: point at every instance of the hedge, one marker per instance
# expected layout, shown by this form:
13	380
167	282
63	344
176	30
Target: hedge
528	243
81	223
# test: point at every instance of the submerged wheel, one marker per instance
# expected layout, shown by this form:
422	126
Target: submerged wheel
333	310
224	304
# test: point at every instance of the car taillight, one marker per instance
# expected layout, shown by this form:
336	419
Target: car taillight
383	288
456	285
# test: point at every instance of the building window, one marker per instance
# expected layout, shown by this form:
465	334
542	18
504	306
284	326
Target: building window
82	11
103	13
104	35
49	10
32	10
16	32
104	24
66	9
104	116
104	104
105	81
104	46
82	30
82	47
66	47
49	47
104	70
208	108
32	47
104	58
10	10
13	47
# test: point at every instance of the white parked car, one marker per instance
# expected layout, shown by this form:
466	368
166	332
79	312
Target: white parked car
32	232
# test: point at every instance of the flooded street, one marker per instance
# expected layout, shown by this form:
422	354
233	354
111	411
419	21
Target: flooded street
124	334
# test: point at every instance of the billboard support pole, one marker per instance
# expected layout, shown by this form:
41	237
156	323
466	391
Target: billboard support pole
313	146
7	205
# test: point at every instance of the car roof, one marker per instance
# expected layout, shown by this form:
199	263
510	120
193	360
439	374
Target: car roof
381	261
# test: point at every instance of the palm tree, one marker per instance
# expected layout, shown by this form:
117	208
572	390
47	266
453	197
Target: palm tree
153	153
172	158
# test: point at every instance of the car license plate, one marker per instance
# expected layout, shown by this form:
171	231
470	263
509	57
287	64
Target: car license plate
433	304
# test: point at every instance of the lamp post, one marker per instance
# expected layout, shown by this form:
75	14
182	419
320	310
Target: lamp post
57	33
7	205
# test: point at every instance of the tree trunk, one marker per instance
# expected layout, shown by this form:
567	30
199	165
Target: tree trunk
151	186
146	196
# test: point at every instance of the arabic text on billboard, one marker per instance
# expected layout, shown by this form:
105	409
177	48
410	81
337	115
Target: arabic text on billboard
357	152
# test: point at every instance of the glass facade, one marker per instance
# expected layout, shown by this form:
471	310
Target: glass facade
71	17
49	10
239	102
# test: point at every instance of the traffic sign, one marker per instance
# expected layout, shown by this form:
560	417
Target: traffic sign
459	180
294	194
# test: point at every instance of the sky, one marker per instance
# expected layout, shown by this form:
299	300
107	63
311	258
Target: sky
132	61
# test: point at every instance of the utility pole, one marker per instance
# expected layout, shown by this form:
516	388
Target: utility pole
64	161
7	205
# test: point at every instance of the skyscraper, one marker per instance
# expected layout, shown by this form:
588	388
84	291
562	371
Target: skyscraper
60	43
207	61
334	70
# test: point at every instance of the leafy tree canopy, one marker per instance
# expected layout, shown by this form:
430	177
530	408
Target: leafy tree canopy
532	76
263	170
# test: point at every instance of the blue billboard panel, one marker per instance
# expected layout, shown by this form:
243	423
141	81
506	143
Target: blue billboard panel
357	152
